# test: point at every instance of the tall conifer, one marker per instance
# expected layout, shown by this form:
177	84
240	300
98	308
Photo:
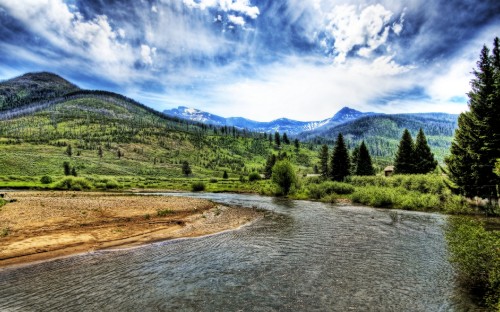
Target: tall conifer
424	158
340	164
476	145
364	166
323	161
405	161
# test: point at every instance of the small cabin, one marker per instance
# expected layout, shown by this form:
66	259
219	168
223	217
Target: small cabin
388	171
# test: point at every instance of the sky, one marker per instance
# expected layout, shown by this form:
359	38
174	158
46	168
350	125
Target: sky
259	59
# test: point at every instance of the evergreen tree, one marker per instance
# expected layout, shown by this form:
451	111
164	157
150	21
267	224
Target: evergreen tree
285	139
424	158
277	139
297	144
225	175
340	164
364	166
67	168
69	150
73	172
323	161
99	151
405	161
476	145
354	159
186	169
268	170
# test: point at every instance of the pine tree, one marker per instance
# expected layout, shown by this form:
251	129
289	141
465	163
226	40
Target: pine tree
424	158
323	161
277	139
285	139
268	170
69	150
476	145
354	159
99	152
340	164
186	169
73	172
67	168
405	161
296	143
225	175
364	166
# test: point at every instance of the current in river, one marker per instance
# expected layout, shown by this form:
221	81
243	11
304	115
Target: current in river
301	256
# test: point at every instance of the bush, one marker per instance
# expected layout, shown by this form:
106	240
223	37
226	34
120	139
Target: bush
399	197
254	176
318	191
46	179
424	183
74	184
2	202
105	183
198	186
284	176
161	213
213	180
475	253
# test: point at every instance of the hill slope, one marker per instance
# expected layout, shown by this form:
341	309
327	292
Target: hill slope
135	140
33	87
382	132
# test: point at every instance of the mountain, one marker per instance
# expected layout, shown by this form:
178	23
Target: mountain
291	127
382	132
33	87
112	135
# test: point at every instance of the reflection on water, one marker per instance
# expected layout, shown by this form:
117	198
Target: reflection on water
302	256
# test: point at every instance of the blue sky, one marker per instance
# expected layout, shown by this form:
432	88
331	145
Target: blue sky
260	59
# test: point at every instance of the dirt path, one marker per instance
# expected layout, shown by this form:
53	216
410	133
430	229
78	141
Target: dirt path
45	225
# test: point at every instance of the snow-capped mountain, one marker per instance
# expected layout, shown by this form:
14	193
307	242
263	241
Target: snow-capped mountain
289	126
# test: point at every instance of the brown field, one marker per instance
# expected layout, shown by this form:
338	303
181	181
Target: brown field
44	225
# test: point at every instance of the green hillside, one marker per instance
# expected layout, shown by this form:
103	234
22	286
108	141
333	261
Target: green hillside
33	87
111	135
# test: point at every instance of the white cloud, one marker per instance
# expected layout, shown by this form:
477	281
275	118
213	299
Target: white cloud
154	9
366	30
236	20
303	91
147	54
94	40
239	6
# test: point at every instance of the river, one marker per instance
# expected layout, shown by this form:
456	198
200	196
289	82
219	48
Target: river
302	256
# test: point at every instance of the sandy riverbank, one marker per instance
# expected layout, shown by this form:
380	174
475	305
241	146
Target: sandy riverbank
45	225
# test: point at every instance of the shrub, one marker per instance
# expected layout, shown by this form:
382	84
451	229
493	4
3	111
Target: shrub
46	179
475	253
3	202
161	213
254	176
318	191
213	180
284	176
73	183
198	186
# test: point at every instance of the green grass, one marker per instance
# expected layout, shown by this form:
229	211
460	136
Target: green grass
475	252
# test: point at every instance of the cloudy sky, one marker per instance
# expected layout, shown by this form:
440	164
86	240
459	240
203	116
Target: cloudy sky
260	59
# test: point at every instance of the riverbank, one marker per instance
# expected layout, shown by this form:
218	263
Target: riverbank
38	226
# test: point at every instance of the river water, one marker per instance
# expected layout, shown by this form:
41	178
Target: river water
302	256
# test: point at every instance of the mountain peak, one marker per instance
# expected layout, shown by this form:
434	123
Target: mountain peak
346	113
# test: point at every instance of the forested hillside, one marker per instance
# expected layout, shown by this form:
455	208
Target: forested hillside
104	133
33	87
382	133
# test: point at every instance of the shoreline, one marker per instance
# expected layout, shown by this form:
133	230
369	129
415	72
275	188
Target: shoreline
87	222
